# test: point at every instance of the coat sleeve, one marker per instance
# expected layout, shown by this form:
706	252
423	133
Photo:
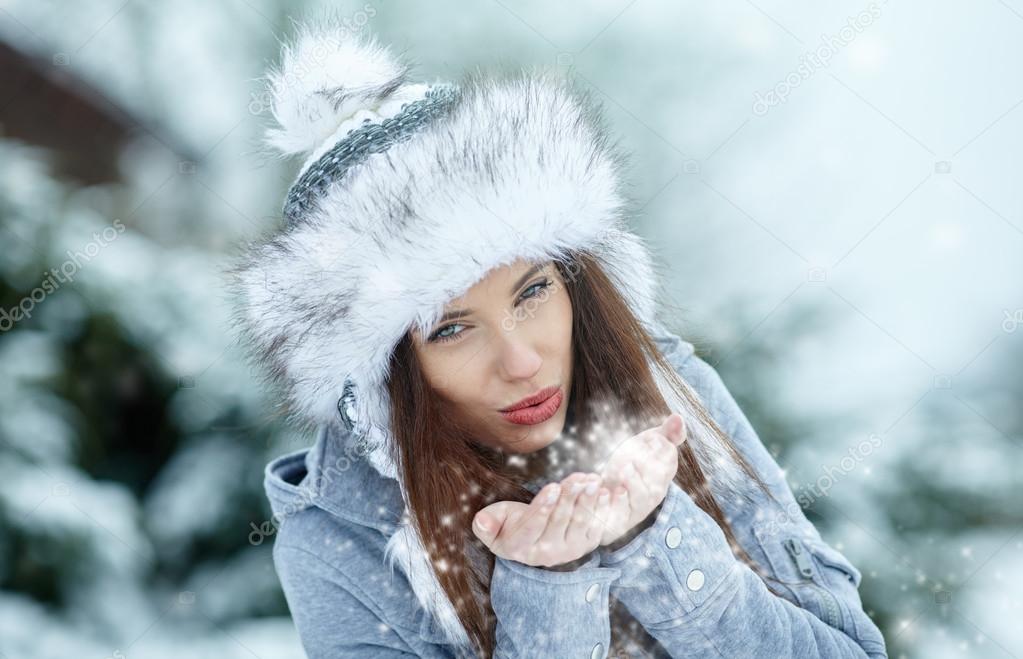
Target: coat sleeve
681	581
540	613
545	613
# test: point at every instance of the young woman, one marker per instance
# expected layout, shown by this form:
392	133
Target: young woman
456	306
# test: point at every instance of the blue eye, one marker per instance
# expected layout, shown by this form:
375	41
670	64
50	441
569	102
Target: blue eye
439	337
540	286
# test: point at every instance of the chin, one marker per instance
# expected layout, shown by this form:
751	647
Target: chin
534	438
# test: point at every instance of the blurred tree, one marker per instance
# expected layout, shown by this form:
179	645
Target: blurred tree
115	499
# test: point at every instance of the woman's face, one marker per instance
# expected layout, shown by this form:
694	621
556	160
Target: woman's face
507	338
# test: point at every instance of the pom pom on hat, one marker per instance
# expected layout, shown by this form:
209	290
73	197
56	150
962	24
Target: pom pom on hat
326	76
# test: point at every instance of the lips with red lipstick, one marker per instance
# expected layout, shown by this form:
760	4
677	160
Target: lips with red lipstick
536	408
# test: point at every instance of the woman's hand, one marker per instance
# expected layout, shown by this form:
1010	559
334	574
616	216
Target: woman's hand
639	472
562	523
567	520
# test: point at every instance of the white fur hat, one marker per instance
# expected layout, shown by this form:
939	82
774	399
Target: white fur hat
410	194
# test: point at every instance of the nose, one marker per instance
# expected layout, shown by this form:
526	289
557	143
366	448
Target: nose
517	358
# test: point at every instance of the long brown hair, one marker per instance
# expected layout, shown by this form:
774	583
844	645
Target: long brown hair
449	476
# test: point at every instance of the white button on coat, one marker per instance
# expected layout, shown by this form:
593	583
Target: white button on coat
695	580
591	592
598	651
673	538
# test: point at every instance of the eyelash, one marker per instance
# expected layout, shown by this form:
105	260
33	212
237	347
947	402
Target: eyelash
435	338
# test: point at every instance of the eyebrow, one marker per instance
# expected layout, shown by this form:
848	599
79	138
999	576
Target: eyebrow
457	313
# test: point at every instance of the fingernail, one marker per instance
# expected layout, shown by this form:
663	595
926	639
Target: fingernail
591	488
553	493
576	487
480	525
605	497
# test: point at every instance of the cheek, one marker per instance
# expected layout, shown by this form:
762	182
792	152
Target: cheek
438	370
452	378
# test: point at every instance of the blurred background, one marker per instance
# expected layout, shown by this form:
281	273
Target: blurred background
833	193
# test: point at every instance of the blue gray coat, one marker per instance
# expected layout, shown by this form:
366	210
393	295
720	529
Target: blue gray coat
678	578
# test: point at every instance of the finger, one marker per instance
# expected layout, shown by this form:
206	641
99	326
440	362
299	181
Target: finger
487	523
534	519
638	488
599	519
584	512
575	482
618	514
674	428
669	430
620	502
557	526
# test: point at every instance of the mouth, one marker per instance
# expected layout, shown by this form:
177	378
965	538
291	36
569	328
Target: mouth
536	408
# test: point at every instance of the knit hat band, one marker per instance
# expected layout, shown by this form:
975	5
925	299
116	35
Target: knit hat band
360	143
